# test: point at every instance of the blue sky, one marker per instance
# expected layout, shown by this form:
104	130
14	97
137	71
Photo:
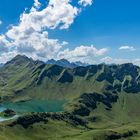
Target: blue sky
105	24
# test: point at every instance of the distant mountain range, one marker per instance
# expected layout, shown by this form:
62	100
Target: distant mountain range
1	65
66	63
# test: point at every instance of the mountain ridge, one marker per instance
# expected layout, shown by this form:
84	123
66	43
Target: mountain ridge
22	73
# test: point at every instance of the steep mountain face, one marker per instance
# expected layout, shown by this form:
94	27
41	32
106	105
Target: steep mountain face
16	74
65	63
24	77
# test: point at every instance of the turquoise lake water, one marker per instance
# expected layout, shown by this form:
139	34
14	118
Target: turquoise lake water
35	106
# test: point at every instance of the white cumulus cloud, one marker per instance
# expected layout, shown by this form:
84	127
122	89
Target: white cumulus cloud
82	53
110	60
130	48
31	37
85	2
0	22
6	56
37	4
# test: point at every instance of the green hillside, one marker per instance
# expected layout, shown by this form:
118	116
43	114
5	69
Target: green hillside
22	78
97	102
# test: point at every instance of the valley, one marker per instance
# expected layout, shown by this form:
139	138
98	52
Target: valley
69	70
96	102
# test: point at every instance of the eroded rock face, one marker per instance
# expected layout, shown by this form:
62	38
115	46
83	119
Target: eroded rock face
88	101
66	78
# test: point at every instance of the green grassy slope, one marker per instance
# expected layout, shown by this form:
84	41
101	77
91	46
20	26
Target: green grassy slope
121	121
57	130
102	101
